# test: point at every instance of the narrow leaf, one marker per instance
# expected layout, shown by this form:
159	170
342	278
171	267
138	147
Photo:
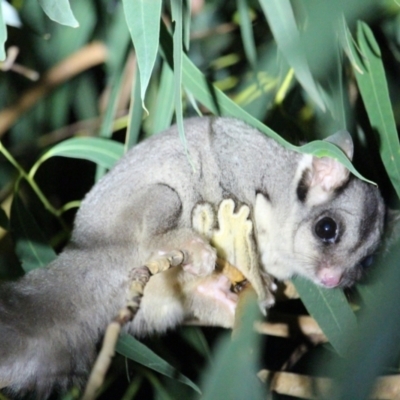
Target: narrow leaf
320	148
143	20
373	86
374	347
102	151
135	115
331	310
187	12
129	347
247	32
3	34
280	16
30	244
233	374
196	338
220	104
108	118
59	11
118	41
164	103
177	11
10	14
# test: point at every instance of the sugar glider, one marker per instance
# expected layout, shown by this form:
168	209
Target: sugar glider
309	218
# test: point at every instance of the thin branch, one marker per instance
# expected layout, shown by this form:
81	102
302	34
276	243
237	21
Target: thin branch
87	57
309	387
140	277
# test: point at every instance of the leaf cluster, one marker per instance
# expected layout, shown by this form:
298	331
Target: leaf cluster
83	81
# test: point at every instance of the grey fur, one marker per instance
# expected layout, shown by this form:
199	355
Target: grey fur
52	319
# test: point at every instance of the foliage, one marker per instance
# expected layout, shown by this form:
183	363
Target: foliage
303	69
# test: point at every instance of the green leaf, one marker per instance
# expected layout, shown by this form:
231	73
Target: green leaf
177	11
195	337
220	104
135	115
247	32
31	246
374	347
59	11
187	12
129	347
233	374
10	14
143	20
163	106
3	34
321	148
108	120
104	152
331	310
133	388
118	41
371	80
281	20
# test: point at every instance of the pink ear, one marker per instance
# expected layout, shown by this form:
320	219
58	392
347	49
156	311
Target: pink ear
325	175
328	174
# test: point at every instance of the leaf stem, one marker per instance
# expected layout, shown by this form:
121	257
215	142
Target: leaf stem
33	185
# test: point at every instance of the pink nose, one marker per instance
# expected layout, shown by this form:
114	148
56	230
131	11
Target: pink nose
329	277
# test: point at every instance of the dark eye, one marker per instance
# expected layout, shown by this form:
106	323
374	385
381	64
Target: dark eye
326	229
367	261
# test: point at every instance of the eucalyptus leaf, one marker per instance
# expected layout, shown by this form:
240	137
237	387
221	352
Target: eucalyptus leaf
129	347
143	20
106	129
3	34
177	16
187	13
118	41
108	119
280	16
31	246
220	104
376	344
371	80
233	374
196	338
59	11
104	152
10	14
247	32
163	106
135	115
330	308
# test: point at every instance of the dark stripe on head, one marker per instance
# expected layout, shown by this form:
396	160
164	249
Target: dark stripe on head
303	186
371	213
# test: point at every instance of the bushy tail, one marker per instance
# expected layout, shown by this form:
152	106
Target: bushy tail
52	319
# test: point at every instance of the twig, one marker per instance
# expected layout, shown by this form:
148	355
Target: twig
140	277
309	387
107	352
289	326
10	65
87	57
290	384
